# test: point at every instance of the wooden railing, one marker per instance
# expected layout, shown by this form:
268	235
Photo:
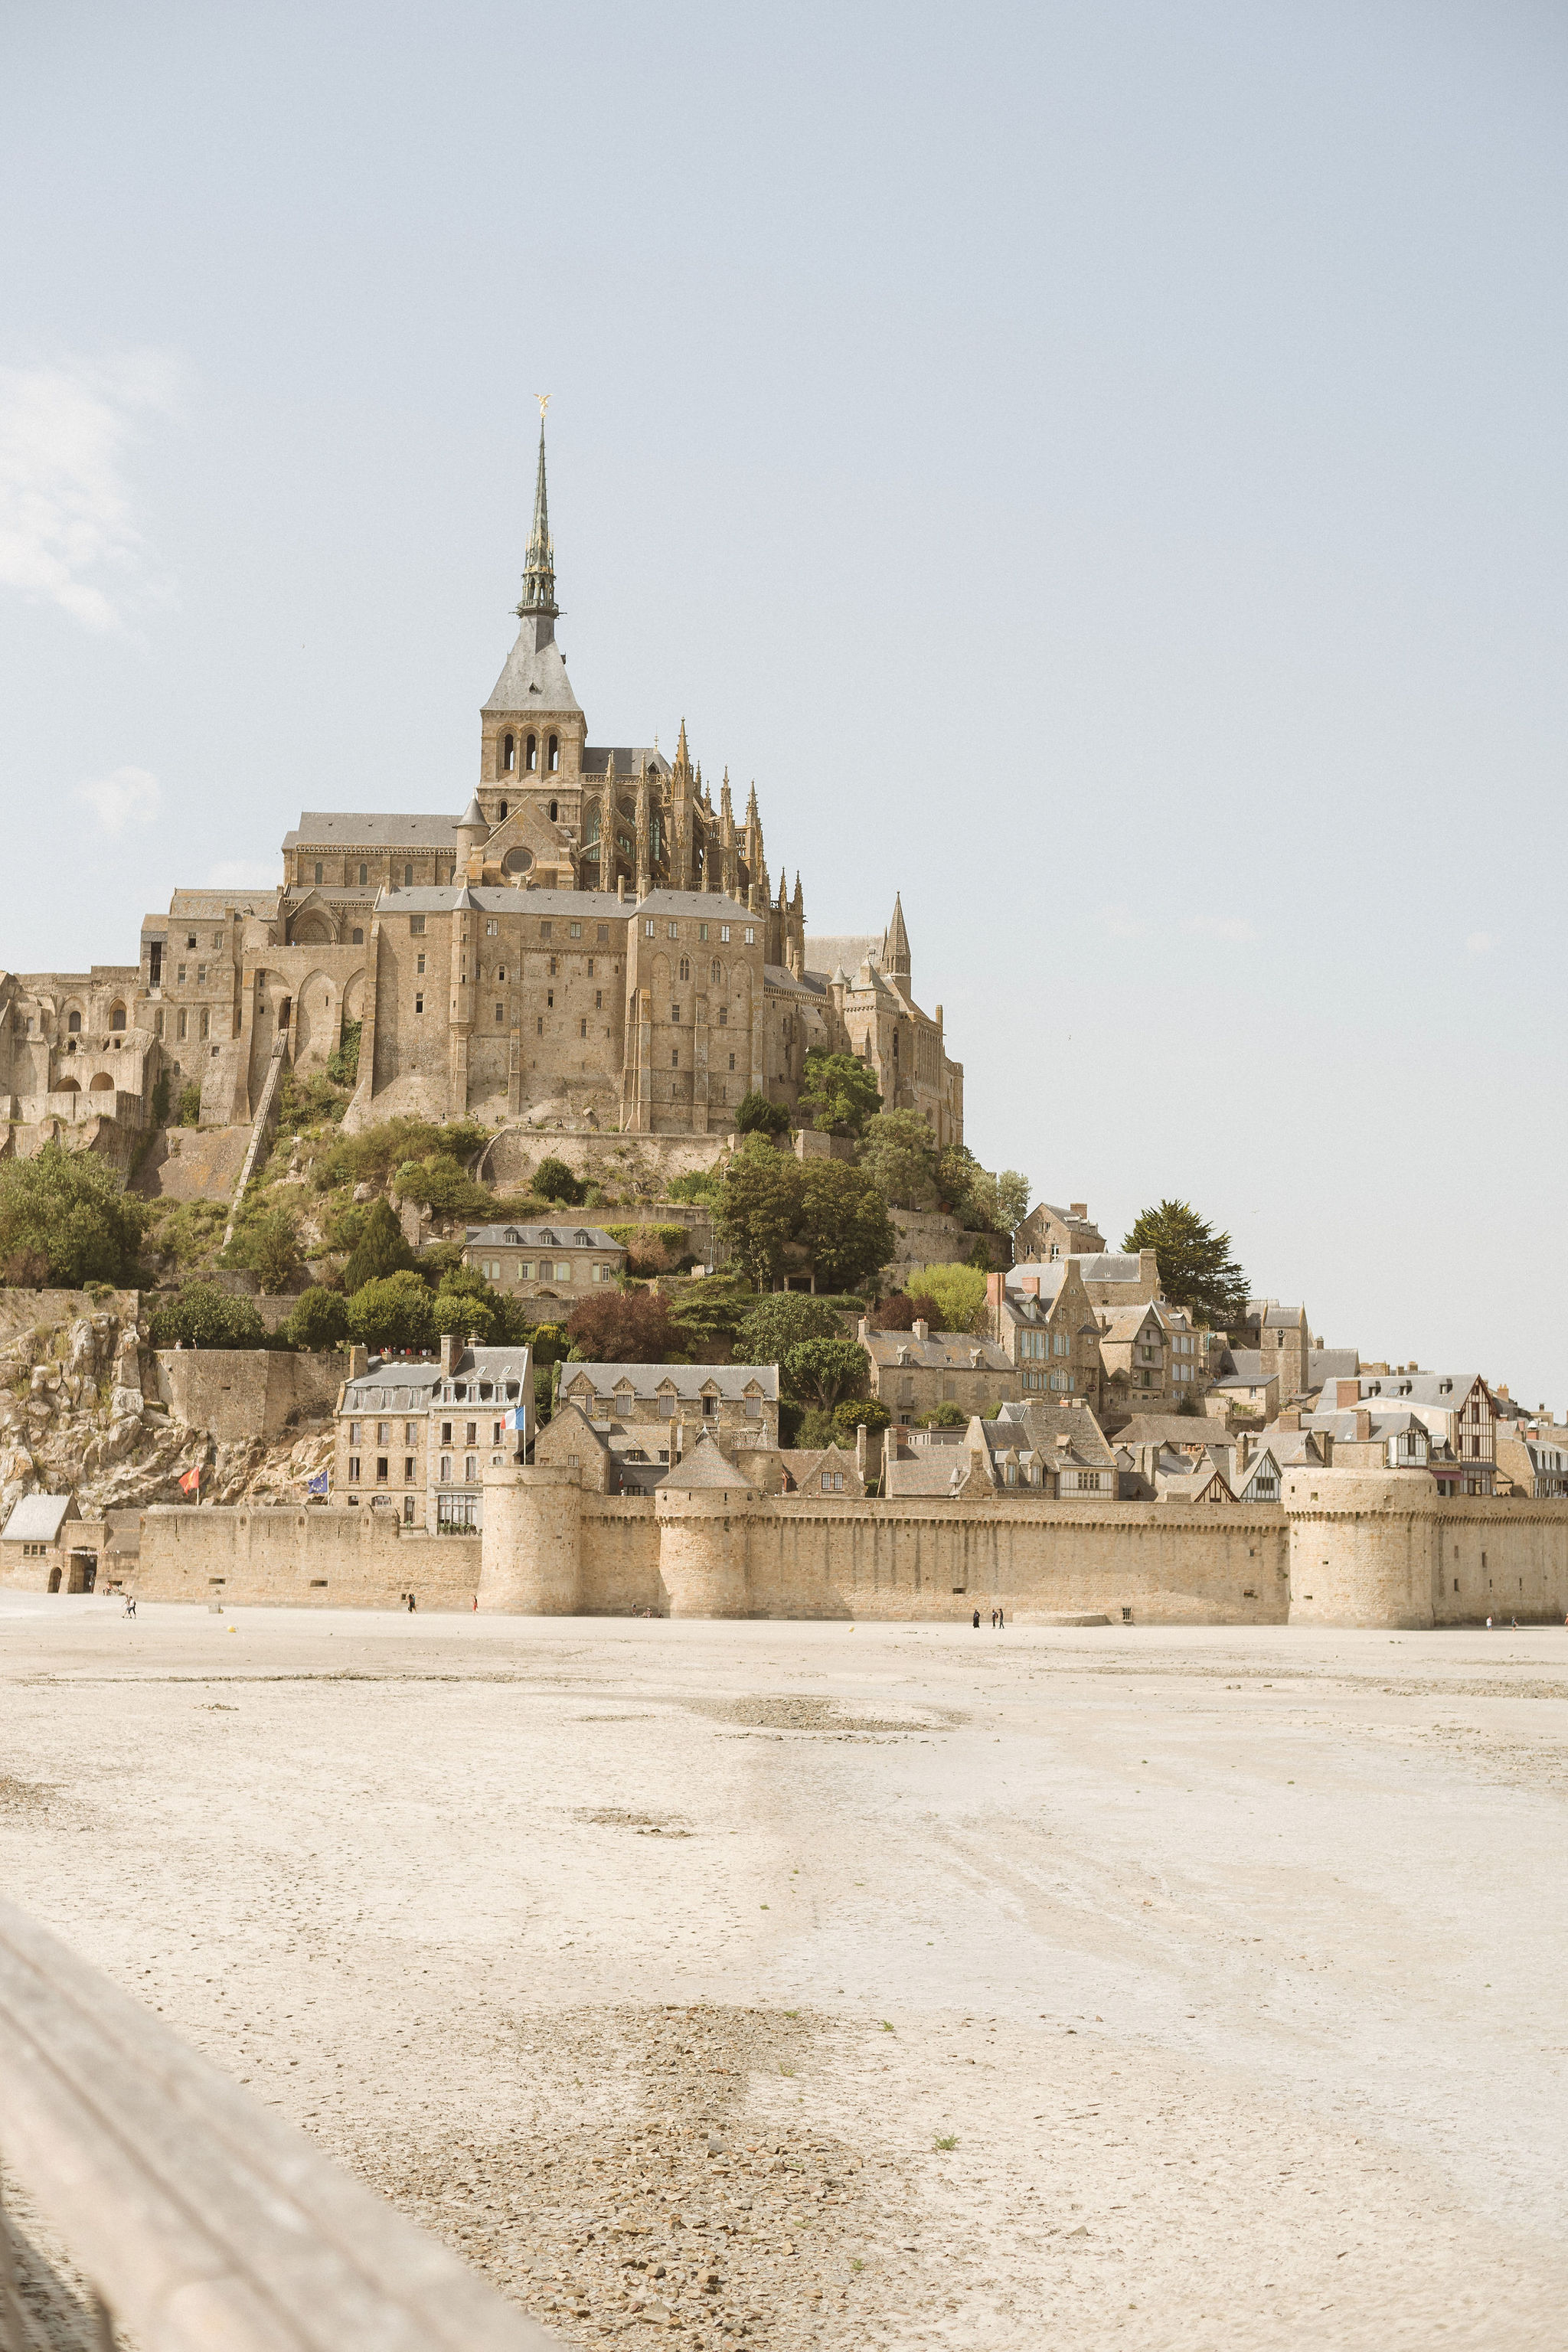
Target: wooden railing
199	2221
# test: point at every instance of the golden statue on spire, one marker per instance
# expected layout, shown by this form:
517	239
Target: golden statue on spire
543	400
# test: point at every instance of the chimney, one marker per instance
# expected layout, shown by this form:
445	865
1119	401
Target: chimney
996	1289
921	1329
359	1362
1500	1388
861	1444
862	1328
621	889
1243	1449
1347	1395
1363	1423
1292	1420
1031	1286
1078	1208
452	1348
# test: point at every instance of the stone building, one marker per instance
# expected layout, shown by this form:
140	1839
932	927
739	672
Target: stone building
413	1434
1046	1327
657	1406
914	1372
594	942
1048	1232
564	1261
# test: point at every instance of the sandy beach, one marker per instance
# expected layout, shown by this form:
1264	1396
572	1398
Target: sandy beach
810	1985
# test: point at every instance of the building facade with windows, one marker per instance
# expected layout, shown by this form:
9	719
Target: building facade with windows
556	1260
595	941
415	1434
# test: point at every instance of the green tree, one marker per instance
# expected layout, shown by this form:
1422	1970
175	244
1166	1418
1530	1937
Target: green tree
553	1180
815	1427
550	1343
1003	1200
71	1208
189	1112
840	1092
850	1412
843	1222
757	1116
343	1063
266	1242
821	1371
1197	1268
201	1315
781	1321
958	1293
382	1249
468	1313
625	1327
709	1313
438	1182
761	1207
392	1311
319	1320
944	1416
898	1157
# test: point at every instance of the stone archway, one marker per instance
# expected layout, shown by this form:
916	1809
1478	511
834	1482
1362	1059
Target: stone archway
315	1023
101	1083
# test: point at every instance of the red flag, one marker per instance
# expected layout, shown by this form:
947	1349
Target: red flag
191	1483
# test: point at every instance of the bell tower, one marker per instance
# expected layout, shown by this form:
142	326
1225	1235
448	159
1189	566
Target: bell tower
532	731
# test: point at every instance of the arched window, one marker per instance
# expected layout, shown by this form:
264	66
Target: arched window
554	805
532	754
684	967
408	878
73	1023
508	754
502	816
364	873
555	754
716	972
116	1016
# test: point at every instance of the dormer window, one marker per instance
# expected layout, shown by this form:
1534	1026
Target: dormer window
508	754
531	755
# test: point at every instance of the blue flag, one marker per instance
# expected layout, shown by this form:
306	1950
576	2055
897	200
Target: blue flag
317	1485
517	1418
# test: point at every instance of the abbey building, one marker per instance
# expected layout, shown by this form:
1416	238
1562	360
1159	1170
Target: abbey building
592	942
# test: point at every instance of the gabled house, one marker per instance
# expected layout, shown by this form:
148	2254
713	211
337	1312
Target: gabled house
1047	1328
1048	1234
652	1403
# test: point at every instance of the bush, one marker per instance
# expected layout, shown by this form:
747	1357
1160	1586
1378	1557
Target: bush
758	1116
267	1242
319	1320
897	1312
381	1250
782	1321
550	1343
201	1315
72	1209
370	1156
553	1180
944	1416
342	1066
840	1093
437	1183
957	1292
309	1102
815	1428
625	1327
392	1311
850	1412
760	1210
704	1186
468	1313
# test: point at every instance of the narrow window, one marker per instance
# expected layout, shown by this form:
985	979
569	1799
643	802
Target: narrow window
598	1000
318	869
582	1028
685	967
420	965
508	754
416	926
364	873
491	926
73	1020
502	813
675	1059
532	754
554	805
554	762
604	934
419	1004
751	936
724	934
501	1015
732	1061
408	878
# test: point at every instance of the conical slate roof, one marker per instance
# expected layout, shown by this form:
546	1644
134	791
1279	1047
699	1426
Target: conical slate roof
705	1468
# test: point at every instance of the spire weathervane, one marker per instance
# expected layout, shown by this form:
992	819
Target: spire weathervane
539	572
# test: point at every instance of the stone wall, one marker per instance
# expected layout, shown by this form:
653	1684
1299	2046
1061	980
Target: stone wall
242	1393
1381	1548
300	1558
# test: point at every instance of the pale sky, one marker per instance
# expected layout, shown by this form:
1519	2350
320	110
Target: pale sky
1101	470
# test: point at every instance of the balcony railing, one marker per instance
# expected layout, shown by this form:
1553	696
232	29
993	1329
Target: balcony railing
193	2219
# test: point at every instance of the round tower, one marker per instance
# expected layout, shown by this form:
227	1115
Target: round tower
531	1549
704	1509
1364	1547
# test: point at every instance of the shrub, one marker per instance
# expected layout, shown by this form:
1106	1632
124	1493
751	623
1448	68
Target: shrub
815	1428
899	1157
958	1292
392	1311
189	1110
550	1343
189	1232
705	1185
840	1093
850	1412
72	1209
309	1102
757	1116
437	1183
267	1242
843	1222
370	1156
944	1416
201	1316
553	1180
319	1320
625	1327
382	1249
343	1066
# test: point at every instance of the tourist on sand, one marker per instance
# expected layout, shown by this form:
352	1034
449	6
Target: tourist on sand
1001	1619
411	1604
977	1620
1489	1624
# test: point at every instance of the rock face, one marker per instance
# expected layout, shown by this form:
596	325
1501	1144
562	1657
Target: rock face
76	1414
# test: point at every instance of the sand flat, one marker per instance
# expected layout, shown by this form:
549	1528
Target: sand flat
1227	1963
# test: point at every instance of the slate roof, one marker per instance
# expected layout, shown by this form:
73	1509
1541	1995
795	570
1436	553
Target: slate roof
1243	1368
1047	1423
393	1387
560	1236
930	1470
629	759
534	676
705	1468
37	1518
943	1352
731	1382
824	955
1178	1429
371	829
713	903
1126	1322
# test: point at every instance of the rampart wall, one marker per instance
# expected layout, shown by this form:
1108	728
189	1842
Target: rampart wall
1381	1548
241	1392
299	1557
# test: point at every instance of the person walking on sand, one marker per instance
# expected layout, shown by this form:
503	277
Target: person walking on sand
1001	1621
411	1604
977	1620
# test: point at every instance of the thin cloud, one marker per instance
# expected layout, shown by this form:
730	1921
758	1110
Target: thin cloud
1234	928
68	534
126	796
1480	943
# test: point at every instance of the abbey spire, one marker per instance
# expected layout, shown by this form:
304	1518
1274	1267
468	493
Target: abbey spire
539	574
